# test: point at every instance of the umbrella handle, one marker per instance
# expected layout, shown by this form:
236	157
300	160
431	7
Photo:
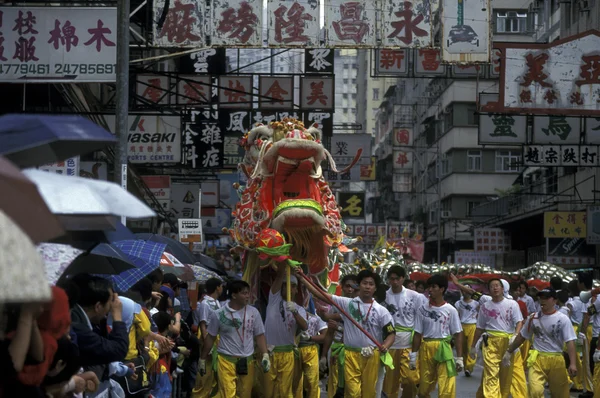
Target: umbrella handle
288	286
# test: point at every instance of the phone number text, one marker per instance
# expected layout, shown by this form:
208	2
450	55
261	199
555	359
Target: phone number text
57	69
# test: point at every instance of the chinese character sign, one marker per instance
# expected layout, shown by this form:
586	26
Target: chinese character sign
391	62
194	90
465	30
560	79
179	23
68	167
293	23
316	92
209	60
403	136
592	130
344	148
407	23
276	92
556	130
152	139
318	60
565	224
235	92
403	161
402	183
561	155
152	89
58	44
502	129
350	23
203	142
237	22
352	204
494	240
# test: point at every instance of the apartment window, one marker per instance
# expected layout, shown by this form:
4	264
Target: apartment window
345	81
473	160
472	119
354	111
354	66
470	206
345	96
353	96
511	21
353	81
507	161
345	111
375	94
346	66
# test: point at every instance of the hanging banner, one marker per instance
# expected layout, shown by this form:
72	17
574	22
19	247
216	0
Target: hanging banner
179	23
565	224
236	23
58	44
293	23
465	31
350	23
407	23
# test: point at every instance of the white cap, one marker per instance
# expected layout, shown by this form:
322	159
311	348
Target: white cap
506	289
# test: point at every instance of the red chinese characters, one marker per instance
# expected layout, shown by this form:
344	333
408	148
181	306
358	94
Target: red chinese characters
2	57
179	26
195	92
65	36
24	23
351	26
391	59
535	72
317	94
401	159
237	96
402	137
431	58
153	91
238	24
407	26
590	70
99	36
289	24
275	93
25	46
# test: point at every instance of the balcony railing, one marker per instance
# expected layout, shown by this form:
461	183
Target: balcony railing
529	198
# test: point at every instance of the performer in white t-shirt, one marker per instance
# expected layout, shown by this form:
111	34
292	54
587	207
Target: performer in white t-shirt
435	325
551	330
467	311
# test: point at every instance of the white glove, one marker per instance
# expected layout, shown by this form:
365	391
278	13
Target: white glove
460	365
202	367
580	338
597	356
412	364
322	364
367	352
266	363
512	338
506	359
291	306
473	352
305	336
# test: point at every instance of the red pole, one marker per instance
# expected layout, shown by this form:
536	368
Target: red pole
343	312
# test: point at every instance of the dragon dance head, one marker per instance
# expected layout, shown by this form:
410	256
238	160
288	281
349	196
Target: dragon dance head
286	192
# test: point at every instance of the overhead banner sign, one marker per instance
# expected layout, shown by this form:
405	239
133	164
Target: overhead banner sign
152	139
58	44
502	129
292	23
465	31
565	224
561	155
559	78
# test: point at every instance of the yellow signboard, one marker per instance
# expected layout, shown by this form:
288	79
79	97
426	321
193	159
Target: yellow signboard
565	224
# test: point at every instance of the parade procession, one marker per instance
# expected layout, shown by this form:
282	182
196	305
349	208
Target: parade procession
300	199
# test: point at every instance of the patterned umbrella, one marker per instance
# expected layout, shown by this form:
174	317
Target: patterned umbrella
146	257
202	274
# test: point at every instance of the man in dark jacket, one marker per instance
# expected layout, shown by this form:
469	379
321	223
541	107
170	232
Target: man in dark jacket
97	347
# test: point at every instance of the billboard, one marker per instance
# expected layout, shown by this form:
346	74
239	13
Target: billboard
465	31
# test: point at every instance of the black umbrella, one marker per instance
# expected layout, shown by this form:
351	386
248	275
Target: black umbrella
210	264
33	140
87	240
103	259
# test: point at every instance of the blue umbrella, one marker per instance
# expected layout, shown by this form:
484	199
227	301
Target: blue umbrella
87	240
146	257
33	140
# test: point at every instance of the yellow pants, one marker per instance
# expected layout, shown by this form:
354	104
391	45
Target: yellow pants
361	374
551	370
497	379
469	334
232	385
597	380
525	352
587	377
307	373
206	384
518	388
278	382
400	375
433	372
332	381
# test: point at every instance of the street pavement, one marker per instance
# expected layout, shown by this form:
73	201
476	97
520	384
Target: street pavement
466	387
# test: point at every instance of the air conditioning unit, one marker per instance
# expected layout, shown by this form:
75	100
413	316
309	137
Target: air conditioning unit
446	214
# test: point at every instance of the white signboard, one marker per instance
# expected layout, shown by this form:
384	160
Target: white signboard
237	22
488	259
316	92
194	90
593	225
190	230
276	92
68	167
403	161
58	44
592	130
152	139
403	136
561	155
293	23
556	130
181	25
350	23
153	88
560	76
407	23
502	129
402	182
185	200
345	146
494	240
465	30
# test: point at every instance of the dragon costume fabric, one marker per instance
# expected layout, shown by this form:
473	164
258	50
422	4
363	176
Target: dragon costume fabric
286	193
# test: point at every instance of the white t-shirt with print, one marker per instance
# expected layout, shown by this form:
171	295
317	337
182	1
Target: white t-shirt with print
207	307
236	336
434	322
403	308
578	310
565	310
315	326
467	312
595	319
529	303
502	316
371	316
338	336
551	332
280	324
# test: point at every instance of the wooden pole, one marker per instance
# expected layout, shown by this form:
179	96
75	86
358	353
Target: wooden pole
288	286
